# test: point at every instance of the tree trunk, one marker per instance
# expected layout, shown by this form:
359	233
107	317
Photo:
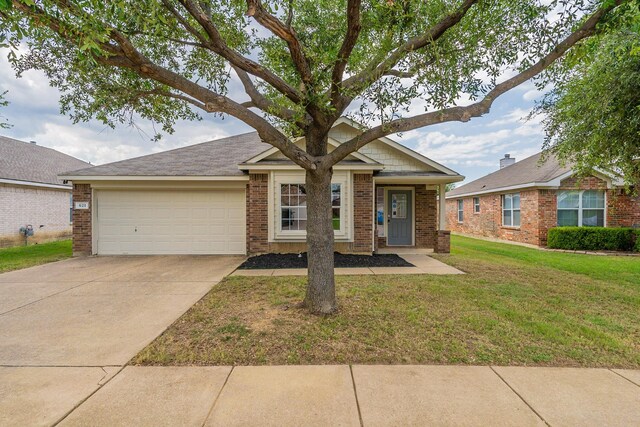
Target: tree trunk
321	290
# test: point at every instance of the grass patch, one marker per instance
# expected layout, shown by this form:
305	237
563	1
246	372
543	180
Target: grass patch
516	306
18	257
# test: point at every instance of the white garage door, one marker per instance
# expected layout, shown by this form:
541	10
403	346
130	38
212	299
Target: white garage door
170	222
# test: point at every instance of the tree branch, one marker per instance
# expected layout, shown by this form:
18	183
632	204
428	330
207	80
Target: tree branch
216	43
349	42
374	70
259	101
286	33
477	109
400	74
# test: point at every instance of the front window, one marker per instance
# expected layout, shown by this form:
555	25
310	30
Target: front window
476	204
70	207
511	210
581	208
335	205
293	207
460	210
293	202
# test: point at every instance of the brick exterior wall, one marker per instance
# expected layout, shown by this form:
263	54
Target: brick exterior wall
21	205
362	213
443	245
623	209
538	211
82	221
488	222
257	195
426	217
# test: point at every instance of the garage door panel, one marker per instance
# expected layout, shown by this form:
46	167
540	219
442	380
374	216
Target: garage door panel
171	222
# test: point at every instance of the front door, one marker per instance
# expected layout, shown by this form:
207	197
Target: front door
399	218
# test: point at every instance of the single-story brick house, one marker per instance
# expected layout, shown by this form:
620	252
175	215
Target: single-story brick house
522	201
239	195
31	192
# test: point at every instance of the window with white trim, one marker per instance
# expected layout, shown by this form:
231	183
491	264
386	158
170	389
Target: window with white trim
511	210
460	210
476	204
293	207
581	208
71	207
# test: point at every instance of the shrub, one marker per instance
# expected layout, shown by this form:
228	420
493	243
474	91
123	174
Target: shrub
593	238
637	245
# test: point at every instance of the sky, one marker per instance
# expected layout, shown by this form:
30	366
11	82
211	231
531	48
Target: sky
473	149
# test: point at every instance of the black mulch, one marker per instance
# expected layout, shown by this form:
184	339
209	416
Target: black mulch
275	261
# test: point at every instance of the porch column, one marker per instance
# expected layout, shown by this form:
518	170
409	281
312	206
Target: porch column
443	239
442	209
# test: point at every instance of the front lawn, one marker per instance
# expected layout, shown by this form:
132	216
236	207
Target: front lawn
516	306
18	257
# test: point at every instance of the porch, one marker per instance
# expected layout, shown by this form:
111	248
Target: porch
409	217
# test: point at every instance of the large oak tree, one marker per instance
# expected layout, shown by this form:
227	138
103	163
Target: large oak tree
302	64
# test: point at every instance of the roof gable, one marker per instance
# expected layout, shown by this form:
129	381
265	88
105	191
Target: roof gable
32	163
392	154
275	154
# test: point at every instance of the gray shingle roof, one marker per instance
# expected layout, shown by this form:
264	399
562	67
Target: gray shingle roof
409	173
219	157
24	161
526	171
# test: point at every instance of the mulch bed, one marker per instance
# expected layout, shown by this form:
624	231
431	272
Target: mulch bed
277	261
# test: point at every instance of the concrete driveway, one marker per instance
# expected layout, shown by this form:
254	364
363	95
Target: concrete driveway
67	327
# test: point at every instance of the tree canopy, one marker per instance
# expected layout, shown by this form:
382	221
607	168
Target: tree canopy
592	118
299	61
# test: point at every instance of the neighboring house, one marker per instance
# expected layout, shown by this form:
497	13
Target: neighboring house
31	192
522	201
240	195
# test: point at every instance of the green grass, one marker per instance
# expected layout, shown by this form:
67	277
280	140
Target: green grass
515	306
18	257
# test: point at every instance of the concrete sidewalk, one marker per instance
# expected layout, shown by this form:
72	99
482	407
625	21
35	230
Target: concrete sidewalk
340	395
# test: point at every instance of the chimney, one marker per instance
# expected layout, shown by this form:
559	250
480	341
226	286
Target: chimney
507	161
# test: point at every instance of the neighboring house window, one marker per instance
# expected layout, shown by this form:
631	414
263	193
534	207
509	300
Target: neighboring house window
293	207
476	204
581	208
511	210
460	210
71	207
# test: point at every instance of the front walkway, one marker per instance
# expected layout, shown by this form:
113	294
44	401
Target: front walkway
345	395
423	264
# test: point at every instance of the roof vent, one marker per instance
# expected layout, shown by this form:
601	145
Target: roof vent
33	142
507	161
